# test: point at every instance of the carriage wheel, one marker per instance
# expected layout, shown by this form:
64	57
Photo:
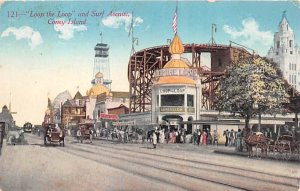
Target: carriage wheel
262	147
288	151
284	151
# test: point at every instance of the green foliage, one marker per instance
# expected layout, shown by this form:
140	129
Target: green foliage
251	86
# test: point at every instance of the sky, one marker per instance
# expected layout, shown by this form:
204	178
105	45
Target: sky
44	52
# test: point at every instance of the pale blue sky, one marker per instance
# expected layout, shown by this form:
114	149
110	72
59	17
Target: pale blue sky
38	59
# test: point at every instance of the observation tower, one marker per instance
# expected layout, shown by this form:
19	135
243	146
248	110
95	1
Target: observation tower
101	63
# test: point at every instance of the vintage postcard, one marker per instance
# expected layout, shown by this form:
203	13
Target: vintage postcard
149	95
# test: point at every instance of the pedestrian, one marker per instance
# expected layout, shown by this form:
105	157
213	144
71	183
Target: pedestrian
167	133
154	137
204	136
231	137
216	138
143	137
225	133
195	136
238	145
198	136
268	134
184	135
209	138
173	137
162	136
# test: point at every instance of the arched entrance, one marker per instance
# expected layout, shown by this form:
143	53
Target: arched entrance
174	121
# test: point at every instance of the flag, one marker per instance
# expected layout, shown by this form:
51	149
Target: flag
174	25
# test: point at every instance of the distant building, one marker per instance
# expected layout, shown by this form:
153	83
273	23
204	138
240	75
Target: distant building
286	53
97	89
120	110
7	118
114	104
48	117
59	100
73	111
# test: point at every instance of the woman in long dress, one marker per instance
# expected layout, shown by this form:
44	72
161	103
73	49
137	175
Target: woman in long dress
204	135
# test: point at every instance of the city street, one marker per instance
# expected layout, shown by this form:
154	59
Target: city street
107	165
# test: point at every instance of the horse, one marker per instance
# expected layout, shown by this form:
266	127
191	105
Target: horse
259	141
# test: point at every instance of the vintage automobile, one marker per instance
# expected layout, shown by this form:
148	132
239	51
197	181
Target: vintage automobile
54	135
85	132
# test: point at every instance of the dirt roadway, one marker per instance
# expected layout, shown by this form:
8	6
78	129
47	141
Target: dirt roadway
105	166
38	168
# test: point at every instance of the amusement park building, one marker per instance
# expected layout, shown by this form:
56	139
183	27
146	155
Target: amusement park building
180	97
176	90
286	53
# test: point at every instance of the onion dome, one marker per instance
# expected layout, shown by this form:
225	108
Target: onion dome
97	90
176	48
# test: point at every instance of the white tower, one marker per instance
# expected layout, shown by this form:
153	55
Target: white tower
101	63
285	53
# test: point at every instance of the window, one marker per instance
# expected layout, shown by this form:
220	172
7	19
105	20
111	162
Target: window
291	52
190	100
276	53
172	100
291	43
278	44
157	100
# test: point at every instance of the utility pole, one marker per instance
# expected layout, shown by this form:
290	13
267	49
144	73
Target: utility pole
213	30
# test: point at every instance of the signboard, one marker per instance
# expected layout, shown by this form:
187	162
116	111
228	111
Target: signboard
191	110
172	90
86	121
187	72
121	123
109	116
171	109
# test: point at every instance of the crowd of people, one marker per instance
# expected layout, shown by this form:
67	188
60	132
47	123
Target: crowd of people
165	134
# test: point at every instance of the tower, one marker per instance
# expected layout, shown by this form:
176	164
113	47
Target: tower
101	63
286	53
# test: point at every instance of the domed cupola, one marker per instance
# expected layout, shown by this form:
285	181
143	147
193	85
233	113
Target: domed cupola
176	49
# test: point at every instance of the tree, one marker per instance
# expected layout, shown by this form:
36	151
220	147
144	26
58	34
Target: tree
251	86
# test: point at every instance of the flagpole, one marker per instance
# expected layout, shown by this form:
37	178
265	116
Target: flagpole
174	24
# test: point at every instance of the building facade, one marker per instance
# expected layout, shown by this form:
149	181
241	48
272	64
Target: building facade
176	90
73	111
286	53
7	118
58	101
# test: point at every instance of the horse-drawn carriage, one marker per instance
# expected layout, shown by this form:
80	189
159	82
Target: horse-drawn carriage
53	135
85	132
285	147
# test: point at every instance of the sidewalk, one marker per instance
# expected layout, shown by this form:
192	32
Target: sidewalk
229	151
